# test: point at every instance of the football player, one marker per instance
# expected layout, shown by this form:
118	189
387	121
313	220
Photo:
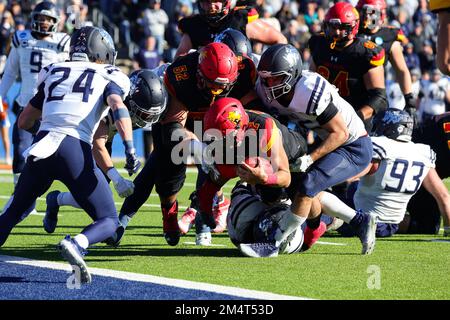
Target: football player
353	65
344	153
217	15
71	100
193	81
427	206
32	50
246	134
146	104
252	221
373	16
442	9
399	167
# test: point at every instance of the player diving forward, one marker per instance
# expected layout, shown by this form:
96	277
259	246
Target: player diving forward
71	108
146	103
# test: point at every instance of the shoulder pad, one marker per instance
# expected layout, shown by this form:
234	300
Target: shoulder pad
19	36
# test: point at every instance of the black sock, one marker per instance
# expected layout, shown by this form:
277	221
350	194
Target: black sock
313	223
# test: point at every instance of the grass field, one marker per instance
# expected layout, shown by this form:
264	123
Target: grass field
402	267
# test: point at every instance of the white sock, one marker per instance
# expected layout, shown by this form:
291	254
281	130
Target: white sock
82	240
333	206
66	199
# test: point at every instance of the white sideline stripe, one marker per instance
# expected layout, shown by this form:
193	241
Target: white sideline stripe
439	240
185	284
331	243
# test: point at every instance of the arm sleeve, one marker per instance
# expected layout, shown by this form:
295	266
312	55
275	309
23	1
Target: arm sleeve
38	100
11	71
112	88
327	114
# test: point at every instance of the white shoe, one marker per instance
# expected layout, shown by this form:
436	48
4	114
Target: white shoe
74	255
203	239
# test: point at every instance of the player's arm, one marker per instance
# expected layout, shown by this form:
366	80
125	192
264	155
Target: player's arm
434	185
184	46
29	118
123	124
401	69
258	175
101	155
10	73
443	45
376	99
261	31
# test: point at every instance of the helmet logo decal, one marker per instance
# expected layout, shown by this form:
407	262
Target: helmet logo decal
234	117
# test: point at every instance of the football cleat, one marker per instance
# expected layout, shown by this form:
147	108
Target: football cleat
259	250
73	253
203	239
367	233
51	213
220	213
187	220
312	235
170	225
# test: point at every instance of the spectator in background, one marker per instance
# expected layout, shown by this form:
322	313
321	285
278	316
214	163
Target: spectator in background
148	56
311	15
306	57
405	22
417	38
433	96
285	15
415	82
6	29
297	35
421	11
427	58
16	11
154	22
429	28
411	58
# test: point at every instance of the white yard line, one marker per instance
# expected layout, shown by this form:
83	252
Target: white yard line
185	284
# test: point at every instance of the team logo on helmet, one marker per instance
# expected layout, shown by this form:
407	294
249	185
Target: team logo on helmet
234	117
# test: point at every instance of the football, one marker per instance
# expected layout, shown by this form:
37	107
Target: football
263	162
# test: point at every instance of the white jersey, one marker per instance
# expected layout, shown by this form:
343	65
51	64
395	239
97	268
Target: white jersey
74	96
402	169
313	95
432	97
27	57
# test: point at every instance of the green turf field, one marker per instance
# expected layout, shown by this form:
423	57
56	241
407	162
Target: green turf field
402	267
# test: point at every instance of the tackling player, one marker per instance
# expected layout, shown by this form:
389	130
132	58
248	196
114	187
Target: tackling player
71	107
353	65
32	50
344	153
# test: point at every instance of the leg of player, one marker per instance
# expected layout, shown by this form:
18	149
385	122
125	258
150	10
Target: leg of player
34	182
143	183
54	200
362	223
21	140
315	228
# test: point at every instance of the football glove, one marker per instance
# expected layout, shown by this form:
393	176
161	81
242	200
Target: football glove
301	164
132	164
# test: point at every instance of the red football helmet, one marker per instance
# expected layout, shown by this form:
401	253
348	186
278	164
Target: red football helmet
217	68
228	116
373	13
212	13
341	24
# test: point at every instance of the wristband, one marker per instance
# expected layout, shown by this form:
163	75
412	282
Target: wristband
272	180
129	146
120	113
113	174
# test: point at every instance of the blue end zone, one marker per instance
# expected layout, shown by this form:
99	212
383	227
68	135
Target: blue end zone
19	282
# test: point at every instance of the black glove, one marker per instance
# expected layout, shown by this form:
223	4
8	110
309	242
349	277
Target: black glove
410	107
132	164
